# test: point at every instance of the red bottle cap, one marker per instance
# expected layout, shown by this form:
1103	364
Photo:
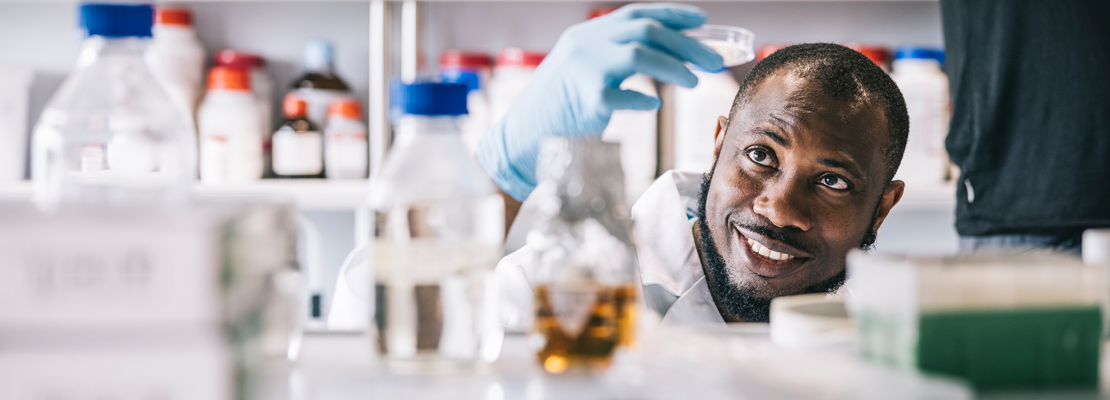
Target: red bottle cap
346	108
601	11
229	78
239	59
767	50
173	16
515	57
461	59
294	106
877	54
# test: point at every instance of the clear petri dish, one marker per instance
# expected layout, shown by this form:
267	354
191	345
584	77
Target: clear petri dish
732	43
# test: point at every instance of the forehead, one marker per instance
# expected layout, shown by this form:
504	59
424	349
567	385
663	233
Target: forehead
795	107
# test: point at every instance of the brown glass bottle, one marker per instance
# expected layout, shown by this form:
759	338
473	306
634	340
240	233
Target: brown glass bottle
298	145
319	85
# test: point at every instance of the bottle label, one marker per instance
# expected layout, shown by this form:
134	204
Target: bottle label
298	153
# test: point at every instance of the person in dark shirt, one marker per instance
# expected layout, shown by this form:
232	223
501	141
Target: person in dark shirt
1030	84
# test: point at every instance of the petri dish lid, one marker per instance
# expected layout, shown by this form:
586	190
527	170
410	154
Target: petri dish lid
732	43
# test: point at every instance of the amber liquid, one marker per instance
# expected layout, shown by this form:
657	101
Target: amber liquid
574	344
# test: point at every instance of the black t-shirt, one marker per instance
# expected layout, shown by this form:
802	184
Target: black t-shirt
1030	83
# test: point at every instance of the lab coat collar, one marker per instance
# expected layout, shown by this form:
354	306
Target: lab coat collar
663	218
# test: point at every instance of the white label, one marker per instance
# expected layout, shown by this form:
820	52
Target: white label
106	274
298	153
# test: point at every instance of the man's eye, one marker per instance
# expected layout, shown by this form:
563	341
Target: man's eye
834	182
761	157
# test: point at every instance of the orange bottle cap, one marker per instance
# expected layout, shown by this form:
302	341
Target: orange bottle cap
294	106
174	16
346	108
229	78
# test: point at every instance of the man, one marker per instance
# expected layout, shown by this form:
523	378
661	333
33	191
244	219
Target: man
802	173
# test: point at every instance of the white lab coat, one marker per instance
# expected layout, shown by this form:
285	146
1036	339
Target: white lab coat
673	282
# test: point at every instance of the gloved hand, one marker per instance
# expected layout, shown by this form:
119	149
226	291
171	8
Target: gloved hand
577	87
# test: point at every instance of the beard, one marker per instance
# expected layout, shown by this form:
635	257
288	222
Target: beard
742	302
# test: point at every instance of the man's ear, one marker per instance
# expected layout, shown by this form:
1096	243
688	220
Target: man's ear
719	136
891	194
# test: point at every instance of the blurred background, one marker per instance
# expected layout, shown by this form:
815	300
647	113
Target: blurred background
375	42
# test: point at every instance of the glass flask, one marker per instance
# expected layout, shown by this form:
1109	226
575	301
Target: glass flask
438	231
111	134
586	285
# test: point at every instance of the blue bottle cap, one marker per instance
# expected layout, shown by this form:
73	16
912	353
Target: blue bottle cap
470	78
920	53
116	20
428	98
318	55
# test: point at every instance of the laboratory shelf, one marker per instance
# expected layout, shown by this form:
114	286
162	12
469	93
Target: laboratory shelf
307	194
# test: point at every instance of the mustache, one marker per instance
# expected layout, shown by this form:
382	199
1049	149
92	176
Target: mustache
785	236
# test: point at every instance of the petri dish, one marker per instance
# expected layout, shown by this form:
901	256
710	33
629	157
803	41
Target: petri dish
732	43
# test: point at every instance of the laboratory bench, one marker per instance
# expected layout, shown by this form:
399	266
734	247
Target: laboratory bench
738	362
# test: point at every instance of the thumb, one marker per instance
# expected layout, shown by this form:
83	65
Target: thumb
617	99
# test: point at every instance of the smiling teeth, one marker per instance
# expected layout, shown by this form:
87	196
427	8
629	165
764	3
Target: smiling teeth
764	251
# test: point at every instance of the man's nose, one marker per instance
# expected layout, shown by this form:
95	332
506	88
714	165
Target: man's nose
783	203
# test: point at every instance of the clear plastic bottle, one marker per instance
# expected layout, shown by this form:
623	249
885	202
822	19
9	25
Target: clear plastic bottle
345	146
439	224
176	57
586	286
319	85
111	134
230	129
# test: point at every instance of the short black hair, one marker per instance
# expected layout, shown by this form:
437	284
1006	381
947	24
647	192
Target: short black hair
846	75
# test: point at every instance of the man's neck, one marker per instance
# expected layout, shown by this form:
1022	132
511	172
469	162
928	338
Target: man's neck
696	231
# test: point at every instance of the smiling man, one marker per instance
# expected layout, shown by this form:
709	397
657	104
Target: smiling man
802	173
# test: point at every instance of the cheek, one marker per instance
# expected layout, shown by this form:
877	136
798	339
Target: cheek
730	193
844	227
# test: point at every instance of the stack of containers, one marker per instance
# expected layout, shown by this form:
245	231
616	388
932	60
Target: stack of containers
515	68
917	71
473	70
1033	321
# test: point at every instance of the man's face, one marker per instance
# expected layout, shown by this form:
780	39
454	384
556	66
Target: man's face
799	181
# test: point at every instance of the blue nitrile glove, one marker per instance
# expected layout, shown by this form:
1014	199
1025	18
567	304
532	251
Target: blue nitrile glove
577	87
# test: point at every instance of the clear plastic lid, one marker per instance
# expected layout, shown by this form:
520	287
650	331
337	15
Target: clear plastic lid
732	43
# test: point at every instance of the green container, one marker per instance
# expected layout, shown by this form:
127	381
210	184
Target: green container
1021	348
998	322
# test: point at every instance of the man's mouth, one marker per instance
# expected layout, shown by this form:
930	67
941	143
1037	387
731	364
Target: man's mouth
761	249
768	258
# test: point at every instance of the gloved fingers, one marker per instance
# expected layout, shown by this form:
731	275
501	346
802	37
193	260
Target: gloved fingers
654	63
674	16
650	32
617	99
